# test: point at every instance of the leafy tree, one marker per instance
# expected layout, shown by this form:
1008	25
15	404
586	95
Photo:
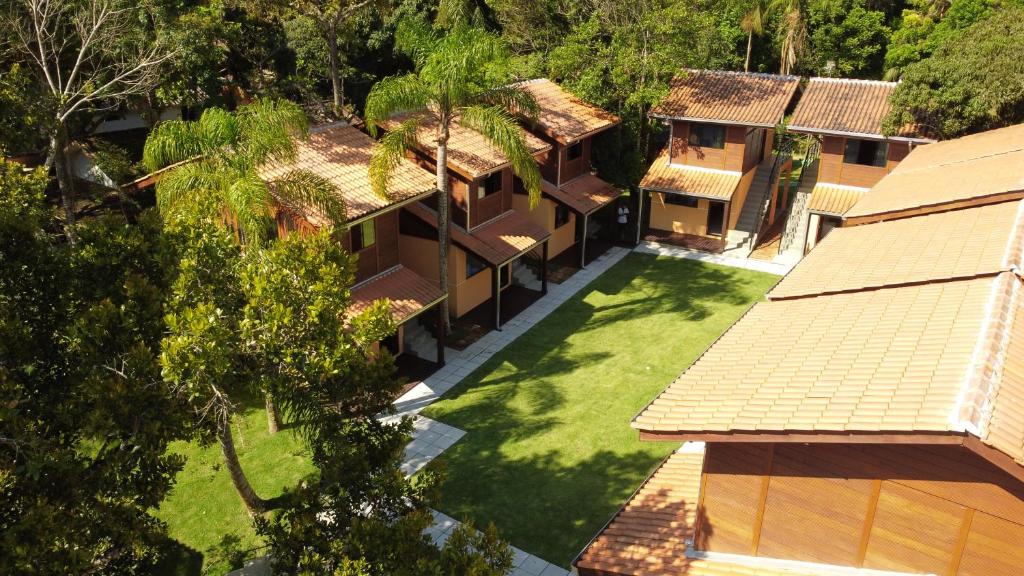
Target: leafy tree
974	81
215	167
928	24
846	39
331	18
461	78
753	23
88	57
22	115
86	421
359	515
792	32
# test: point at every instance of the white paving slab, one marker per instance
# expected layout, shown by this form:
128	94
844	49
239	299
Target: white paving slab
780	268
429	439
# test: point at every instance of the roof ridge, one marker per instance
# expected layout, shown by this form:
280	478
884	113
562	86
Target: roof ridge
786	77
1013	259
974	403
852	81
955	162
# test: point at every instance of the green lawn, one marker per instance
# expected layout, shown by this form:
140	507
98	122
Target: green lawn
203	511
549	455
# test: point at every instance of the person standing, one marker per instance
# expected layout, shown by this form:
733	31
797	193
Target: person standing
623	220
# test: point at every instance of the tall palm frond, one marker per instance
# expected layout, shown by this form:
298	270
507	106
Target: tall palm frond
793	32
392	95
390	151
220	157
514	99
502	130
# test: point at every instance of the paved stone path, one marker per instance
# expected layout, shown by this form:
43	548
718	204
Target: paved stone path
746	263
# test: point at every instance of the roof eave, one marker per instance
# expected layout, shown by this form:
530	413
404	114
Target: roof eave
713	121
861	135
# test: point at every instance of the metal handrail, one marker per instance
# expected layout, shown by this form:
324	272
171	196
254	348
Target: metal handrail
784	152
813	152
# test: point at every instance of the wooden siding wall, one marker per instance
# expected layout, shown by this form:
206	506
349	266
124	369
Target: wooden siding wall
732	157
383	254
919	509
834	171
574	168
487	208
548	162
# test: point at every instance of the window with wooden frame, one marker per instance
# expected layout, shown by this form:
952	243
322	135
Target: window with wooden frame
489	185
574	152
866	152
681	200
562	215
474	265
707	136
364	235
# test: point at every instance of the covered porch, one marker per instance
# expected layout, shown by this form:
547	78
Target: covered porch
592	200
687	201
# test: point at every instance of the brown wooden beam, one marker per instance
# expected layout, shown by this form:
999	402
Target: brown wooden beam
997	457
544	268
440	334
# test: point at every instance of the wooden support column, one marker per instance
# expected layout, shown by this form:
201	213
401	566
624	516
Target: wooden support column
439	309
544	269
583	243
496	296
639	215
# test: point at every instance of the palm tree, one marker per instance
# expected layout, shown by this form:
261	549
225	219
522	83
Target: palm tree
458	79
753	23
214	167
793	32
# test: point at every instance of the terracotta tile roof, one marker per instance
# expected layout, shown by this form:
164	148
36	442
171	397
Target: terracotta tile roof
845	106
935	247
663	176
890	360
565	117
497	241
975	169
584	194
649	535
746	98
1004	428
408	293
341	154
469	153
833	199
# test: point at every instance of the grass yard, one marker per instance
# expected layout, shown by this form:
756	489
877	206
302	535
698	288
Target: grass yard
549	455
203	507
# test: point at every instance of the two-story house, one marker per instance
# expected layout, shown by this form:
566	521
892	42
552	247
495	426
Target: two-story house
489	238
867	418
572	193
846	116
341	154
701	189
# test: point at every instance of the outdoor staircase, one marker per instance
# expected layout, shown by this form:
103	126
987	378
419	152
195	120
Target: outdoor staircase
740	241
523	275
791	247
419	342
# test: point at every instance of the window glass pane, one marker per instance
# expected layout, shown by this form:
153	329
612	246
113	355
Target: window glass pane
561	216
707	136
865	152
369	234
574	151
489	185
680	200
474	265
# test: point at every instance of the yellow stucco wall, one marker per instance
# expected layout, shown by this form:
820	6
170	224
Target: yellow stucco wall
544	215
738	198
679	218
467	293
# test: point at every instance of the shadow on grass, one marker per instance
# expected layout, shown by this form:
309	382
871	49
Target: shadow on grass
549	455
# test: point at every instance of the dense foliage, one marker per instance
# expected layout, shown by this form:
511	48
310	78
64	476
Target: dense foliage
86	419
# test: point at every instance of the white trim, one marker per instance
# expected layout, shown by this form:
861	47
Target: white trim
859	135
795	566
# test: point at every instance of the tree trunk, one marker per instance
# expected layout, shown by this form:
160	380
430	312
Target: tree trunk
334	58
443	217
750	45
273	418
253	503
62	169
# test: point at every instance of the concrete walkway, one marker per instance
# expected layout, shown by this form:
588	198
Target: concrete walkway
778	268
